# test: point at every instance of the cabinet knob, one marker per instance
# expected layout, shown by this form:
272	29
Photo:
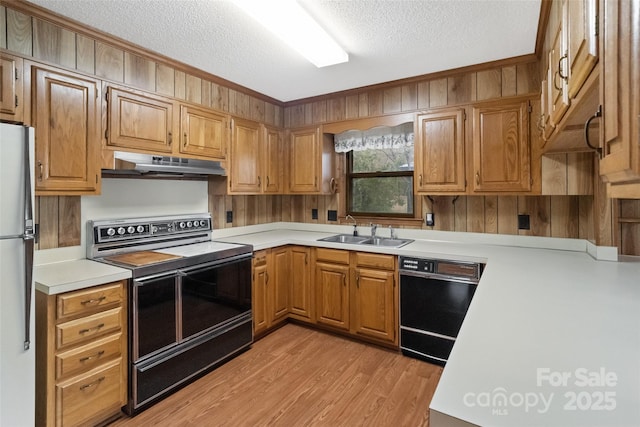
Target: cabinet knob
420	180
477	178
170	138
40	168
185	140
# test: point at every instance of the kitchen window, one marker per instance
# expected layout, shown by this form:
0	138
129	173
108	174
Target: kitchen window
379	171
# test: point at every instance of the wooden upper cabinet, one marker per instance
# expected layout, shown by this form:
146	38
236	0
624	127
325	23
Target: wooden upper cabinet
66	119
311	162
139	120
501	153
272	160
582	41
620	97
203	132
439	152
559	71
245	165
11	88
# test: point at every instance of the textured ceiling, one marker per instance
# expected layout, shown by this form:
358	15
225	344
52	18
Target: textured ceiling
386	39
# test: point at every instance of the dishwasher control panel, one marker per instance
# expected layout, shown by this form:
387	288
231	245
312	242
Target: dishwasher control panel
468	271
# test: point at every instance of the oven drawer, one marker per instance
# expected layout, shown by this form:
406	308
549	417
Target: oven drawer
425	347
87	357
85	399
88	300
86	328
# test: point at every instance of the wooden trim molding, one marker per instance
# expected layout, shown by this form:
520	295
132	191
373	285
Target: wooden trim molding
543	22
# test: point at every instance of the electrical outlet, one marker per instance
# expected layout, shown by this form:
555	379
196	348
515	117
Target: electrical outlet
430	220
523	222
332	215
229	217
314	213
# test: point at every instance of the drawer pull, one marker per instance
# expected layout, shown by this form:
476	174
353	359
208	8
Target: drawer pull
95	356
92	384
94	300
95	328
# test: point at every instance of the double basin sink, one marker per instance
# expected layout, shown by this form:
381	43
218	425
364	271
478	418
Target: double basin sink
366	240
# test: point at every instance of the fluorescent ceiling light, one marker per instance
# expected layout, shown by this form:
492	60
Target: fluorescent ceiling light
293	25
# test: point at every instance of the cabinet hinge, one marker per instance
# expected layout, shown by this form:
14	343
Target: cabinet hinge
597	26
16	100
106	134
529	108
106	96
464	115
17	75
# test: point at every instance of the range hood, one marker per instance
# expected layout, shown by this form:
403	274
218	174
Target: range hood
149	165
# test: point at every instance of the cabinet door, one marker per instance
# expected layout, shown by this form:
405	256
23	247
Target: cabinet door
300	296
272	161
373	297
501	157
203	132
439	153
332	295
305	161
245	173
620	92
66	120
559	70
11	99
139	121
582	41
260	282
279	289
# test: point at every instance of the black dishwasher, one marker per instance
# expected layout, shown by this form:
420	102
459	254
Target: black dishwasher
434	298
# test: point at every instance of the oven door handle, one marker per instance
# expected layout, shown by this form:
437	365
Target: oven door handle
140	280
216	263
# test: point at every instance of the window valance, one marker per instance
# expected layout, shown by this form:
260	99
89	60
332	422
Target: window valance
375	138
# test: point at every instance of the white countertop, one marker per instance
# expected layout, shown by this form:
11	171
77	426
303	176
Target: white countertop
66	276
544	309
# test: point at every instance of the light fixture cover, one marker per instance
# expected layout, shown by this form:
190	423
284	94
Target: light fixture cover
293	25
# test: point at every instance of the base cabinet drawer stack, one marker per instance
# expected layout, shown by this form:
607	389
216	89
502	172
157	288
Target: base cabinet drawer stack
81	349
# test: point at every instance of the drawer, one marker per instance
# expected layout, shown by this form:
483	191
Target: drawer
85	358
87	399
88	300
332	255
86	328
386	262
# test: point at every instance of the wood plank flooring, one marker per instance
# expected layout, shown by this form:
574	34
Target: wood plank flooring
298	376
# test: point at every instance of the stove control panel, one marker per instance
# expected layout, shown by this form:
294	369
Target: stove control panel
133	229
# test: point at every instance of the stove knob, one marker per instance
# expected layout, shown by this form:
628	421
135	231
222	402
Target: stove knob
203	223
189	224
121	231
111	231
140	229
131	229
154	229
182	224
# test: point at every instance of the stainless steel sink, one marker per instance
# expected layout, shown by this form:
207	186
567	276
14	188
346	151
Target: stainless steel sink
345	238
366	240
384	241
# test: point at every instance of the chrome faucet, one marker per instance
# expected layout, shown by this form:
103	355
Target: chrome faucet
392	233
374	227
355	224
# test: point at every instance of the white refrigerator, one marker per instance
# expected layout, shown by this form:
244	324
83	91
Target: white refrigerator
17	346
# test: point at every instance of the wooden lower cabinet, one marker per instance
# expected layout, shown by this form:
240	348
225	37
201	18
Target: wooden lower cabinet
332	290
300	290
270	288
81	353
352	292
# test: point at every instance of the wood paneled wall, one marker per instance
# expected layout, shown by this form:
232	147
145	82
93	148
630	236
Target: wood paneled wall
629	227
416	95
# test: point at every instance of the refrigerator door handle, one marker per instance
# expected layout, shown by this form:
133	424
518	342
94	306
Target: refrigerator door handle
28	275
28	237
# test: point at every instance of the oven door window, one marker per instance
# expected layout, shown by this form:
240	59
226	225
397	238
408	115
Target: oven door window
155	315
212	296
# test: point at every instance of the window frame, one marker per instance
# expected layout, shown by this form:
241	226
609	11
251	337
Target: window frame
350	176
